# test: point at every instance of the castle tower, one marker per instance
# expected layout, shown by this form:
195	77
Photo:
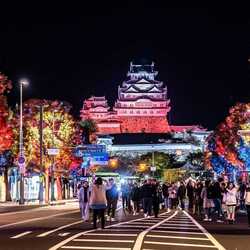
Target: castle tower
142	104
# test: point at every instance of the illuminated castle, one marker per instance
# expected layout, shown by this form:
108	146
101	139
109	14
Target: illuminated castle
142	106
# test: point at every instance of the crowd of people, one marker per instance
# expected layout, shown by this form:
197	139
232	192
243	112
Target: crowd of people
207	200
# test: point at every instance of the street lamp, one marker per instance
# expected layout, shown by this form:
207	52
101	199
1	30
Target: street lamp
22	83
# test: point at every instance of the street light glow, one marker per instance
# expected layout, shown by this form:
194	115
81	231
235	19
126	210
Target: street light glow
24	82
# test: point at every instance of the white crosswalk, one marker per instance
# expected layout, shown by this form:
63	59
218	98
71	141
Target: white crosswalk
176	230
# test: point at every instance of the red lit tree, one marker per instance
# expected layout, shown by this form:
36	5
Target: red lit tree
59	131
6	138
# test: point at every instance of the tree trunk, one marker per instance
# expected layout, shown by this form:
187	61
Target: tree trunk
6	181
59	188
46	186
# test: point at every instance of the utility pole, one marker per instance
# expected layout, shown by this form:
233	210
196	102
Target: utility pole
41	153
53	161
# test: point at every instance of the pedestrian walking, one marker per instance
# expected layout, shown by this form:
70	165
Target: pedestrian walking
124	191
231	201
83	197
181	194
147	198
217	199
112	198
98	201
198	200
172	191
242	192
190	195
207	196
165	194
135	197
247	202
156	197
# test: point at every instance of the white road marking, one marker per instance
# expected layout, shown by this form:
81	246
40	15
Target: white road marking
126	235
62	243
135	226
96	248
144	223
59	228
36	219
20	235
178	244
185	228
175	237
180	225
177	232
141	236
101	240
209	236
63	234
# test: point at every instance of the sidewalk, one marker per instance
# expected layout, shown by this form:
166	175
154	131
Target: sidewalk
7	207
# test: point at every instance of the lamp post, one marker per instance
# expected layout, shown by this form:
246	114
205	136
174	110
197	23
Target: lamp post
52	198
22	82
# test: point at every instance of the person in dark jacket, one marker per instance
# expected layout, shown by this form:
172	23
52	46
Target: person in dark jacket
135	197
112	198
156	198
198	199
147	198
165	193
181	194
190	195
217	199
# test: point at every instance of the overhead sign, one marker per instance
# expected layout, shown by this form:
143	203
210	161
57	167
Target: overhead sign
89	149
53	151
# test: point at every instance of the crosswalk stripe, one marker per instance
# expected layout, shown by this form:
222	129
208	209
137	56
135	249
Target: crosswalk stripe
184	228
96	234
178	244
175	237
20	235
177	232
96	248
102	240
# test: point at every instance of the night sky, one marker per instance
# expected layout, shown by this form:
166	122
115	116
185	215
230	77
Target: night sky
72	53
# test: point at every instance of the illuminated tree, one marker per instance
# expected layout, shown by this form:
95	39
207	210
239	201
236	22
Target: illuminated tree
6	138
59	131
228	150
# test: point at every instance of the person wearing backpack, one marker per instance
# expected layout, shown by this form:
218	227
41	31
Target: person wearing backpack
247	202
207	196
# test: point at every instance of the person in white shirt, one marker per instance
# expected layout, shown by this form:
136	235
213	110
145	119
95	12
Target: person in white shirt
83	198
231	201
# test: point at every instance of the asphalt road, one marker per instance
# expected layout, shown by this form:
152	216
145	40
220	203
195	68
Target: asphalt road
60	227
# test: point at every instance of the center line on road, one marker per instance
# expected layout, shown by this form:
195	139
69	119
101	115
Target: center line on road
139	240
20	235
59	228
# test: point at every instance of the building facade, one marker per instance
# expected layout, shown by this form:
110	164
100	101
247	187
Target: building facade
142	106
